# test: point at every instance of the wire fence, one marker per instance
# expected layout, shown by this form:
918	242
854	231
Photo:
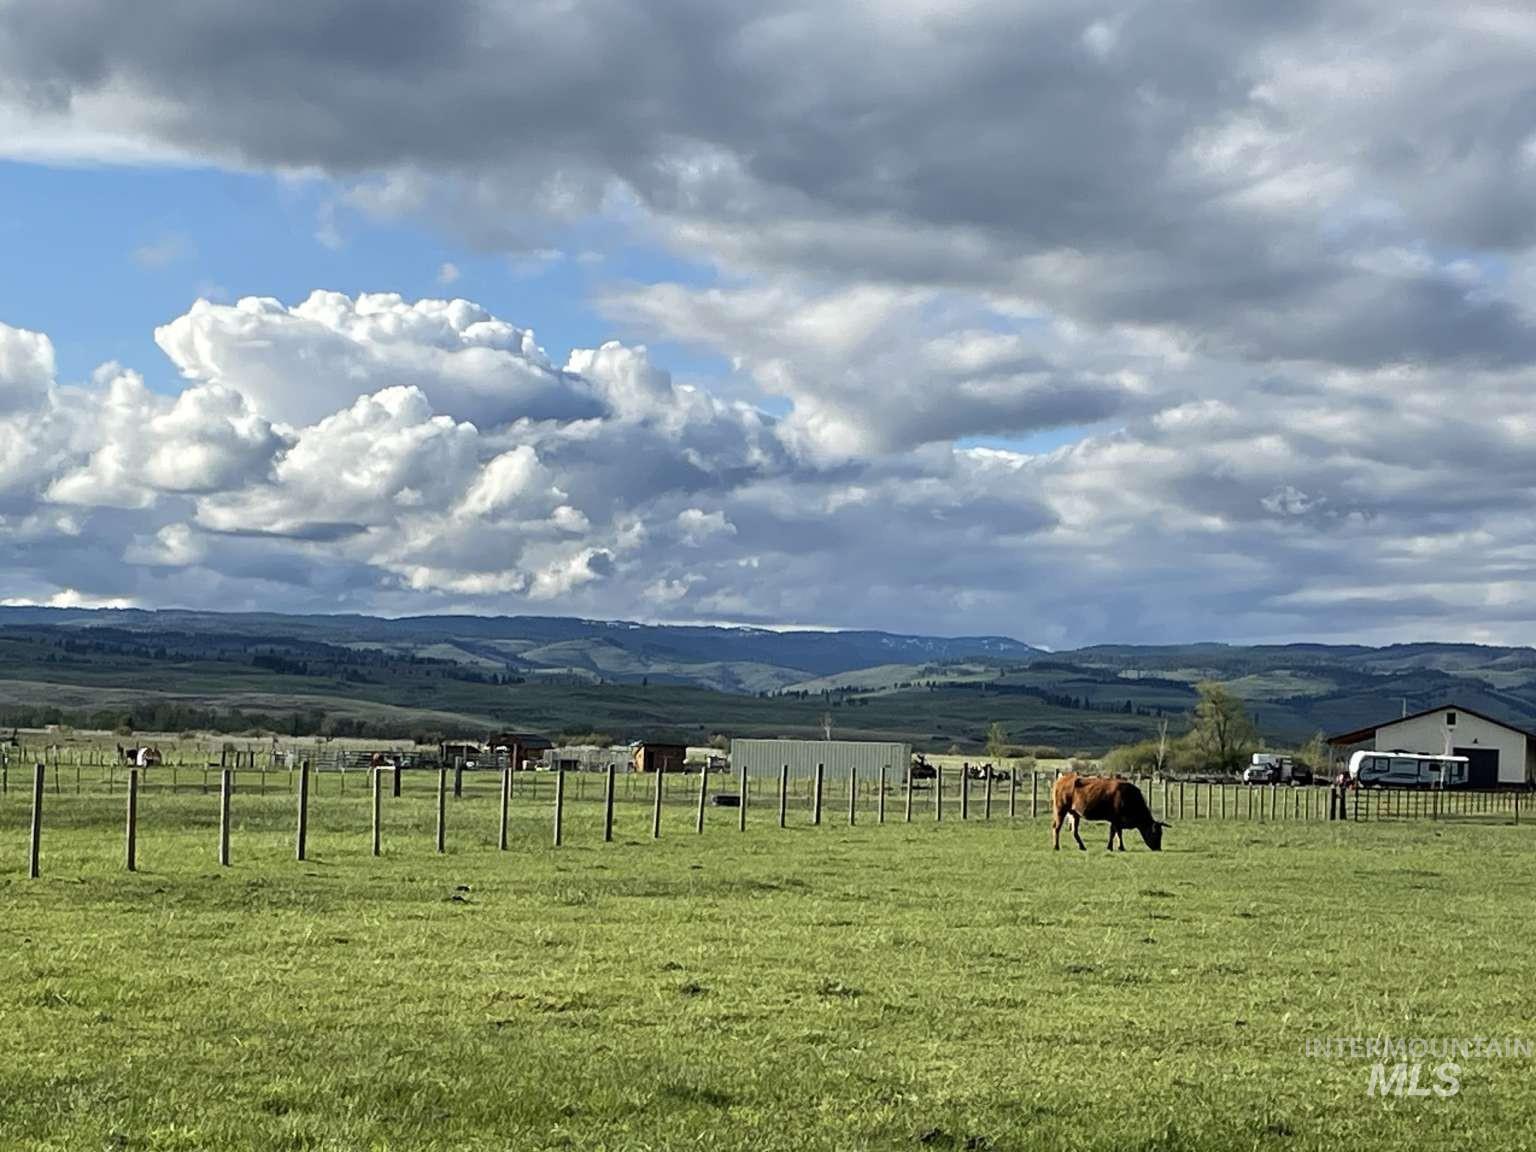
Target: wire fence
483	805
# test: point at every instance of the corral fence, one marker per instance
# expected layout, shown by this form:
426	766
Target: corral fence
741	798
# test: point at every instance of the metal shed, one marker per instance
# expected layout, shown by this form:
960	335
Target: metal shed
764	758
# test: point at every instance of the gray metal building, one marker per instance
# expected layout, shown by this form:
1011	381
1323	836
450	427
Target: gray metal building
764	758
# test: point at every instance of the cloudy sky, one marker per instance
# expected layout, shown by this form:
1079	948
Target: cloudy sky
1075	321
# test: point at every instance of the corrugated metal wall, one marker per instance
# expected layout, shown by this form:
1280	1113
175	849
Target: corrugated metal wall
764	758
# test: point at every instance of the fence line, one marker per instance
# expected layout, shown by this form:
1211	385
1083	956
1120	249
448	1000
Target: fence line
1170	800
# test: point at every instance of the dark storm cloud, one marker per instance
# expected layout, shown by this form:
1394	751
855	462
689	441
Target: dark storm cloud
1171	148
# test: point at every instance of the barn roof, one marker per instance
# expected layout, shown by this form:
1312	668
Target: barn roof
1360	735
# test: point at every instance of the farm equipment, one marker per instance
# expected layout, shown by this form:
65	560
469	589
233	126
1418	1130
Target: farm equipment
920	769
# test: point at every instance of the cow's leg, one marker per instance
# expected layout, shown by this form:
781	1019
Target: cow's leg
1122	839
1112	831
1056	829
1075	818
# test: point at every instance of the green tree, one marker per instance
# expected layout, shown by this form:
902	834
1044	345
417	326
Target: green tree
1222	733
997	741
1314	753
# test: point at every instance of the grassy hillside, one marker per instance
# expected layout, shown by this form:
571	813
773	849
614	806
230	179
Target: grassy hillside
356	676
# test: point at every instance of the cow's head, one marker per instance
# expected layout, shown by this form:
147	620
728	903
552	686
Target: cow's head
1152	833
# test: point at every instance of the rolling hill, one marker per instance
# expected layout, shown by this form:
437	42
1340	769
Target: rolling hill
366	675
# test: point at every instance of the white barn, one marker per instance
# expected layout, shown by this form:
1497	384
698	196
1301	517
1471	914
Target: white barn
1499	755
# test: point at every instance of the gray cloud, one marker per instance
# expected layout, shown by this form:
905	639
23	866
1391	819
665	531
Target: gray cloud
1278	257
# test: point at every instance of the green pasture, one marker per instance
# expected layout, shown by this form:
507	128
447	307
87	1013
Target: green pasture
951	985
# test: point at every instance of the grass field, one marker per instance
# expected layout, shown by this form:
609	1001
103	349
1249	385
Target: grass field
905	987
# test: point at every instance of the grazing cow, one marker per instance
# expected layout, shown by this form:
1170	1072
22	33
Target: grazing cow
1119	802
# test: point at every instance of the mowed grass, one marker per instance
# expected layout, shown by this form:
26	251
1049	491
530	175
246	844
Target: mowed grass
914	986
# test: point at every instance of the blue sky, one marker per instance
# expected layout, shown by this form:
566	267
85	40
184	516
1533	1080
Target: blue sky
110	252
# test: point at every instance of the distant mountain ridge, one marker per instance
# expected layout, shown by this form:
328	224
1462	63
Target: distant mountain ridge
740	659
308	673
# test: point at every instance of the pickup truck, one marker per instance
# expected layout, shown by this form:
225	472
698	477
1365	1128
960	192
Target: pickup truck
1269	768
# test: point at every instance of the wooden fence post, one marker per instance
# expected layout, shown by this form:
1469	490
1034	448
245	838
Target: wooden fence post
610	781
1197	800
1034	795
559	803
1357	804
226	787
853	795
395	784
816	794
37	821
376	784
132	835
301	845
1517	807
986	803
938	792
698	819
965	792
1013	792
1181	800
880	802
656	804
504	824
442	809
458	777
783	795
743	789
909	792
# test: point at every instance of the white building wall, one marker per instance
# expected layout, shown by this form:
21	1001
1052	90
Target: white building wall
1427	734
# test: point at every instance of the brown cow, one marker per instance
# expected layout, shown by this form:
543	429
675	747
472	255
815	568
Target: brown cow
1107	798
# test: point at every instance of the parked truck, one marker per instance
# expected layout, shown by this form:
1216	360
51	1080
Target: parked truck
1273	768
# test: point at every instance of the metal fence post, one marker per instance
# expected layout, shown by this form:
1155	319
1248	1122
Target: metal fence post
698	820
